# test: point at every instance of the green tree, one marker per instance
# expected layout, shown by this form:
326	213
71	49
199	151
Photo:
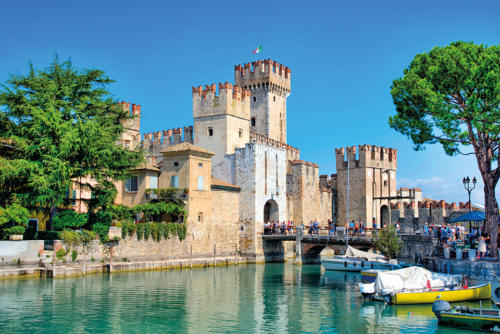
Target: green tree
59	126
68	219
451	96
388	242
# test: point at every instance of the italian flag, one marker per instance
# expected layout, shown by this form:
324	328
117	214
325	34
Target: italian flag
259	49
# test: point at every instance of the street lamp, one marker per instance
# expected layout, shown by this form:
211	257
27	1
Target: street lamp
469	188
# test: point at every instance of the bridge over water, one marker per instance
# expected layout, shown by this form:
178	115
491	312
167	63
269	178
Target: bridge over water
308	247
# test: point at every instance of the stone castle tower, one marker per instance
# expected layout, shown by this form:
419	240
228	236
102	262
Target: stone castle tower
372	180
269	84
221	121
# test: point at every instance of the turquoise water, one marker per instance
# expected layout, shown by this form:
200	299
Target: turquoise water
271	298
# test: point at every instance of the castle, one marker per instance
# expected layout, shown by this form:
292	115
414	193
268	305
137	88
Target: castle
239	171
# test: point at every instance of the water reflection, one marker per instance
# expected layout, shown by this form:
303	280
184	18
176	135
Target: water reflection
272	298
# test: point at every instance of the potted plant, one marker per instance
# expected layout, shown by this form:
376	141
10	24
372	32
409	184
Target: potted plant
16	232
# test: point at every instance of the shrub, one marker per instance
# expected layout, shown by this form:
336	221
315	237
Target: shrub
71	237
131	228
15	230
87	236
161	230
116	238
74	255
140	231
121	212
14	213
388	242
181	231
102	231
154	231
147	231
124	229
68	219
61	253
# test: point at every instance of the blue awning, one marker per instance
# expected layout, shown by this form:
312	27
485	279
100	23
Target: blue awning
474	216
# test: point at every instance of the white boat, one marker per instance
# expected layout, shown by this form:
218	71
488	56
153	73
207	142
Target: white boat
356	260
410	281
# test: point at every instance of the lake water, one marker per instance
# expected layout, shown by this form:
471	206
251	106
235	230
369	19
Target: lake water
271	298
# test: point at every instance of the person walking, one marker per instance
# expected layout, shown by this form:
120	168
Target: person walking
482	246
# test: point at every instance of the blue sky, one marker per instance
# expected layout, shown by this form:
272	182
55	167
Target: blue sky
343	56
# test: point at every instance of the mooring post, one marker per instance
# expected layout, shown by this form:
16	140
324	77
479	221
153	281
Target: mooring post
215	261
298	245
54	257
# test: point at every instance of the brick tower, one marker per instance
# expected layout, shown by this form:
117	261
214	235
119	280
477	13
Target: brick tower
269	84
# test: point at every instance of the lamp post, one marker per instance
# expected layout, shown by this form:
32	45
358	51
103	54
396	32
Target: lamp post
469	188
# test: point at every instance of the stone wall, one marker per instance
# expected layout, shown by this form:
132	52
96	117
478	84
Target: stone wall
418	245
27	251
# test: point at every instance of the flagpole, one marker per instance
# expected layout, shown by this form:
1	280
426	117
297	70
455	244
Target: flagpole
347	206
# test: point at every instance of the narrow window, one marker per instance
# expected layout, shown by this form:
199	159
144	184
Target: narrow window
277	172
385	183
210	132
200	164
200	216
176	164
126	143
153	182
254	99
200	183
74	197
252	122
265	173
240	132
131	184
274	98
174	181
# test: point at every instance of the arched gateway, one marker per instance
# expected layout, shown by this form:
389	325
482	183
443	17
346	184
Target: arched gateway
271	212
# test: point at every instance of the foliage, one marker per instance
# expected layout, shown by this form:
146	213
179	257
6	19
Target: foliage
74	255
159	208
14	213
77	237
154	231
181	231
102	231
147	231
116	238
140	231
388	242
121	212
15	230
68	219
451	96
61	253
60	126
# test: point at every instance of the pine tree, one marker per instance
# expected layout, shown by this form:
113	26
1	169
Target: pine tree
59	126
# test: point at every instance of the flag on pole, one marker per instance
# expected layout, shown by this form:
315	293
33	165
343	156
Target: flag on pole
259	49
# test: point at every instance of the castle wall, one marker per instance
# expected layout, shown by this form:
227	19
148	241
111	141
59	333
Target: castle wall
155	142
307	203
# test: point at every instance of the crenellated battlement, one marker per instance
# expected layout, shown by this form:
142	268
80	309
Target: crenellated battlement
293	153
366	156
263	74
231	99
153	141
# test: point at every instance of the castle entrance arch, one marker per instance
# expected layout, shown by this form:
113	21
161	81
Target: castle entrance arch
271	212
384	215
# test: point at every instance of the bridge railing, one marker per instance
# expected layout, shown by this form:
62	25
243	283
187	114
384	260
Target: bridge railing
321	231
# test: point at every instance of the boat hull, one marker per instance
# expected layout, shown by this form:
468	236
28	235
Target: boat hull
355	265
485	321
473	293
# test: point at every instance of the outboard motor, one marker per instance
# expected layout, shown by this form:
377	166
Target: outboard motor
439	306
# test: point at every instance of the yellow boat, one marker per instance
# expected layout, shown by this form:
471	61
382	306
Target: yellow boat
428	297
